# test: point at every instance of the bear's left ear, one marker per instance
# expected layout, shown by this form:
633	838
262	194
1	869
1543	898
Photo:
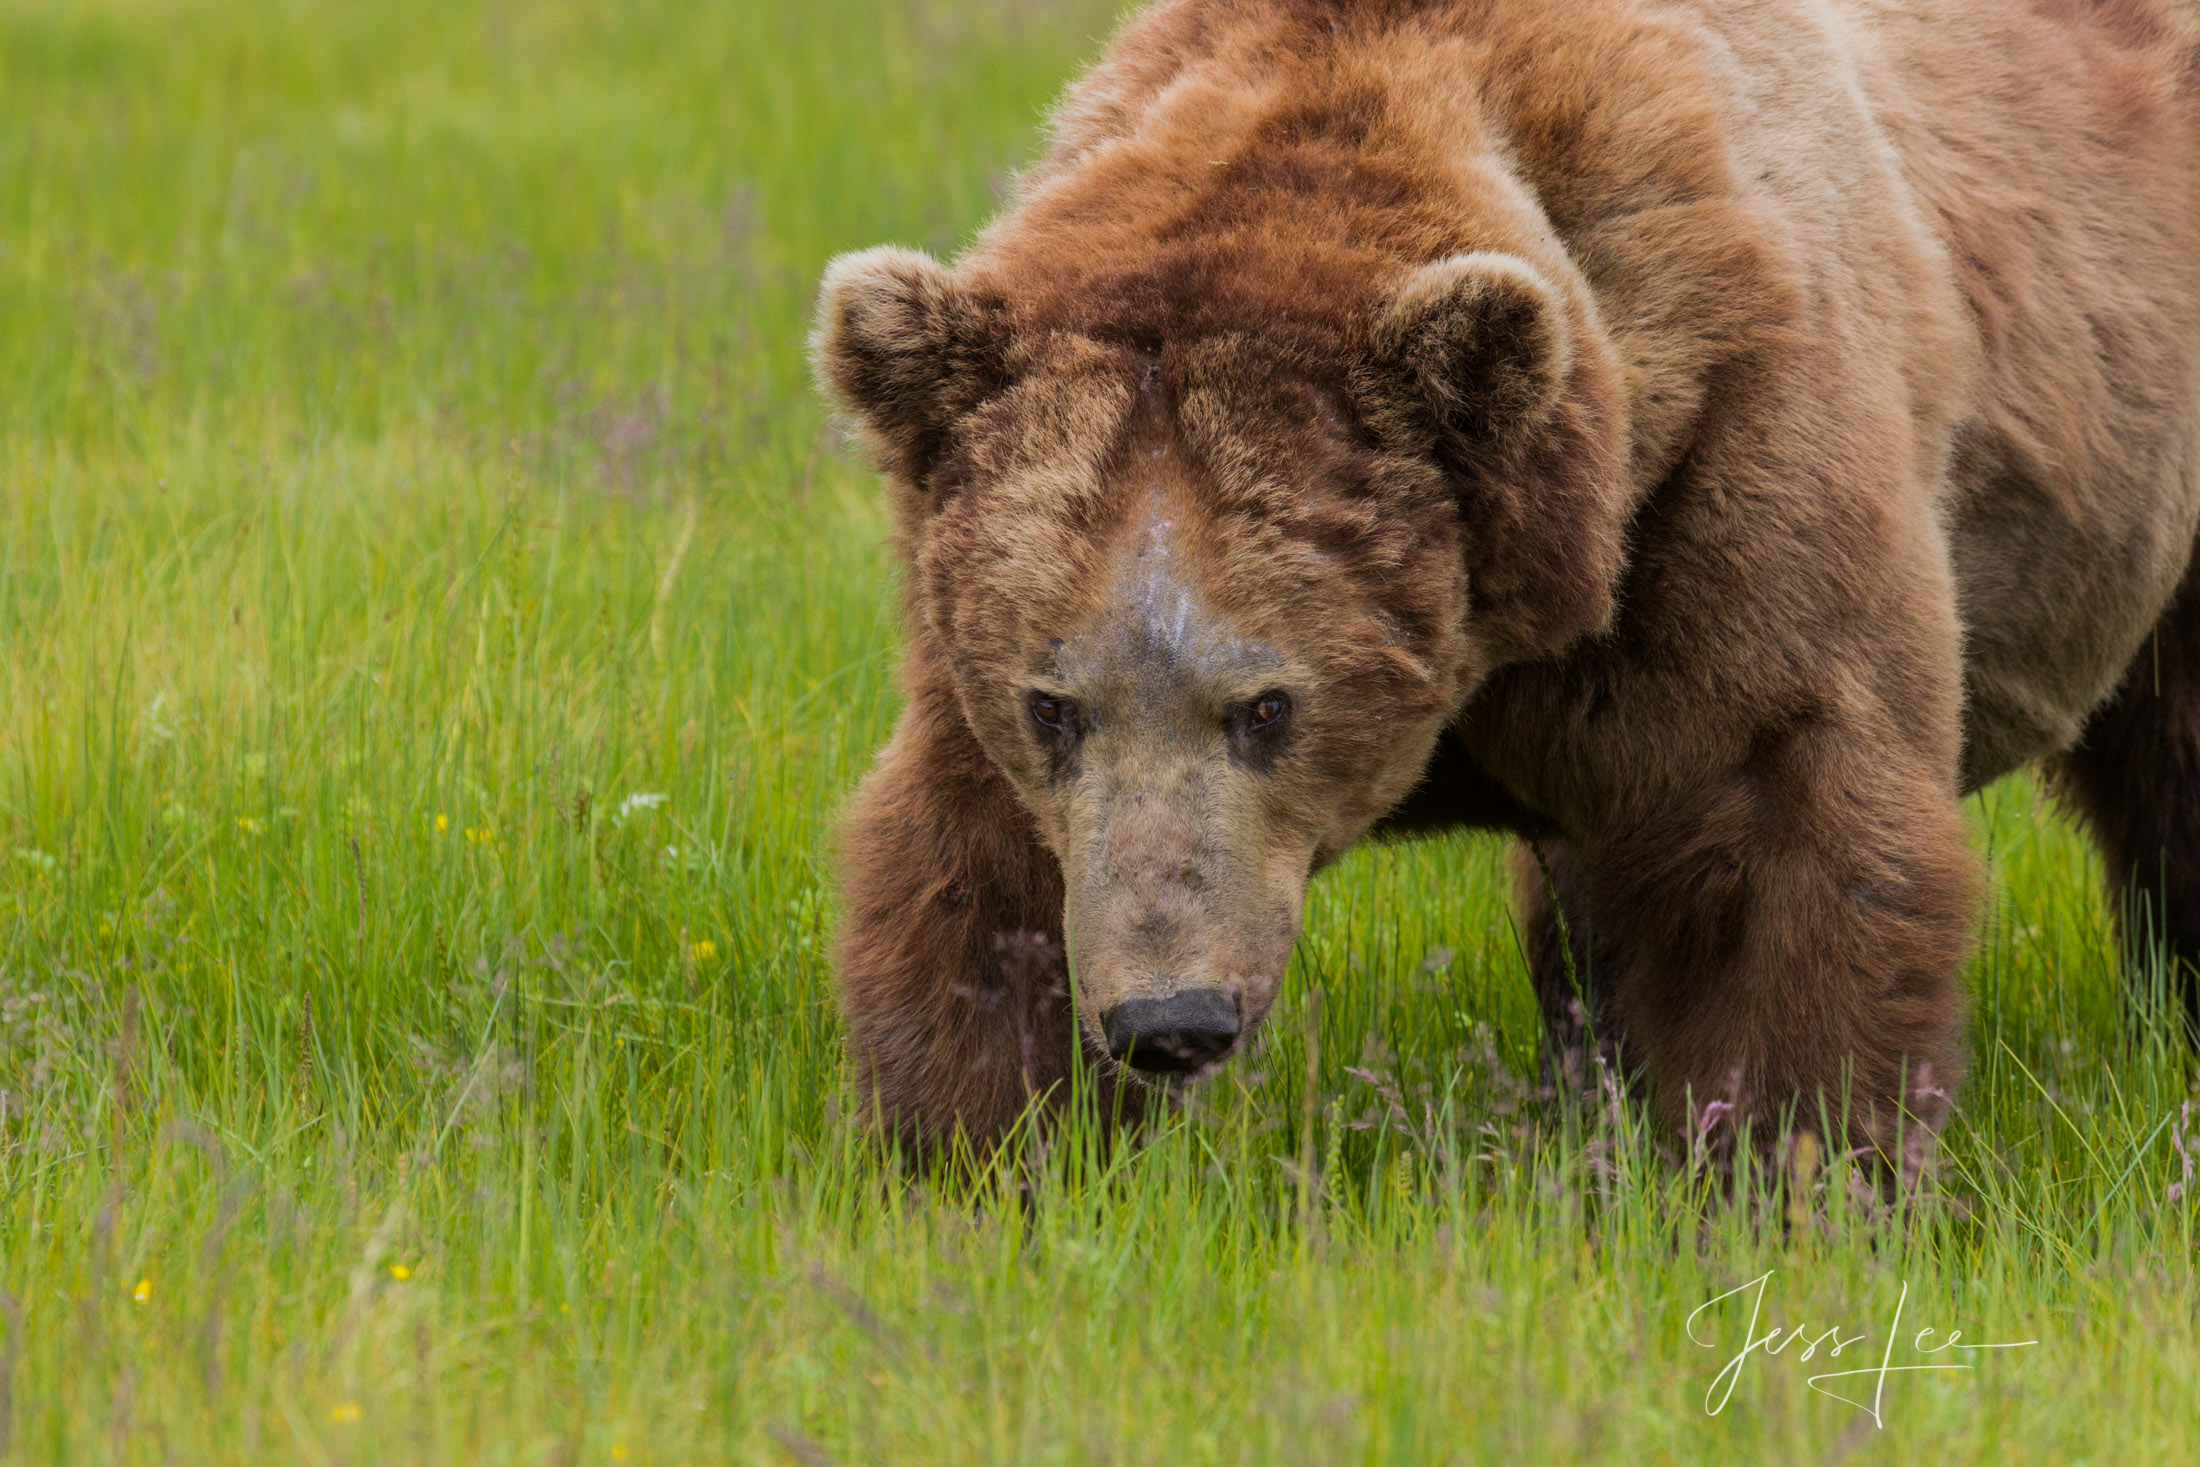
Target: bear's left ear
909	350
1467	358
1472	363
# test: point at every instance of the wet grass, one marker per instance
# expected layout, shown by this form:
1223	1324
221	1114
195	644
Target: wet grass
436	627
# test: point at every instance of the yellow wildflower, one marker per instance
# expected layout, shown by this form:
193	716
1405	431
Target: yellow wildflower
705	951
344	1413
399	1272
143	1291
479	835
618	1451
442	823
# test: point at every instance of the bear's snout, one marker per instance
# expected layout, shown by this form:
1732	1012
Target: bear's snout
1173	1035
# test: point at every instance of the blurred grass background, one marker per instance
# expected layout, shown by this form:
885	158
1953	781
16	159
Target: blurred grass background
436	627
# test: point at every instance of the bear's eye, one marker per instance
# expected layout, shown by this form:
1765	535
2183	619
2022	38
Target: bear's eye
1055	715
1260	729
1268	710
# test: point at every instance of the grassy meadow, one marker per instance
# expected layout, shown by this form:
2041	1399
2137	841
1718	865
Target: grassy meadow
437	627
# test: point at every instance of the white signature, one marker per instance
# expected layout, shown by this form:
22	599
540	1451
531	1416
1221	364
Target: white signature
1776	1340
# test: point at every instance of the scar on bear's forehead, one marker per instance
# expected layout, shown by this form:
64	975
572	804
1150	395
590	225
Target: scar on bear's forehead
1157	617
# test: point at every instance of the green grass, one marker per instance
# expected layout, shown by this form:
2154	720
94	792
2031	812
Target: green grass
407	472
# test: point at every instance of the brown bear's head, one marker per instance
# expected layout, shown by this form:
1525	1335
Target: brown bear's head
1210	588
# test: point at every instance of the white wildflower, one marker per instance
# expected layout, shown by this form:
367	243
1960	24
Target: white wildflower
639	800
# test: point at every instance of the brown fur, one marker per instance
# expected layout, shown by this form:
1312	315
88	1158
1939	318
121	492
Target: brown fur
2133	777
1705	438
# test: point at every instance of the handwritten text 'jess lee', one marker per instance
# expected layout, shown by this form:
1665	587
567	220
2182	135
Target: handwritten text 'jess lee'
1775	1340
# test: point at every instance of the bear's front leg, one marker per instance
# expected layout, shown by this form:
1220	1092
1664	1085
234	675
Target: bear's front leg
952	978
1787	936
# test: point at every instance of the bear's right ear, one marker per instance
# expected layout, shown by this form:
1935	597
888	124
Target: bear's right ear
909	350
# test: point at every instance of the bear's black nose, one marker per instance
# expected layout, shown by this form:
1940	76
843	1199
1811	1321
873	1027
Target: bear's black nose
1168	1036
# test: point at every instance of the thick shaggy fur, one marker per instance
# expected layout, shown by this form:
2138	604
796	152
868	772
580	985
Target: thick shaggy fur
1704	438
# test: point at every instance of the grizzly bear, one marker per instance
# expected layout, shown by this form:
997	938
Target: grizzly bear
1703	439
